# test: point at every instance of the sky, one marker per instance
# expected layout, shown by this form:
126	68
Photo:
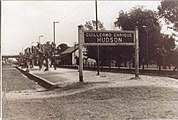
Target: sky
24	21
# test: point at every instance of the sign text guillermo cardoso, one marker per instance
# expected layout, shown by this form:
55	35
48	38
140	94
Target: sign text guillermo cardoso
109	38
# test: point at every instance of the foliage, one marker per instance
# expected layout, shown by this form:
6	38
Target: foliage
169	11
168	42
91	25
149	36
62	47
148	25
169	45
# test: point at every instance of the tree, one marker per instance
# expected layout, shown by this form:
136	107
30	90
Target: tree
169	45
48	51
169	11
160	53
175	58
62	47
45	52
149	29
27	58
40	55
91	25
21	60
168	42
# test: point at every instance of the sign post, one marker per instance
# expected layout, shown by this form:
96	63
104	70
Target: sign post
80	41
136	53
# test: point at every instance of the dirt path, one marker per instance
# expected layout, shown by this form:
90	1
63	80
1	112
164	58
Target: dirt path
110	96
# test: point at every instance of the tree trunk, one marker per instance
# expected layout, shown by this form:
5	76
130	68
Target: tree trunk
32	63
28	66
125	63
143	66
47	64
164	63
133	63
118	64
54	64
109	64
41	63
159	67
130	64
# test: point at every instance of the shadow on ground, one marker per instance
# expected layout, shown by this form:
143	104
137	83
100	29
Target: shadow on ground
125	93
80	85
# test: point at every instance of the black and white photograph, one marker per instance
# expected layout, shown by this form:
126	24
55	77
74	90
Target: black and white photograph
89	60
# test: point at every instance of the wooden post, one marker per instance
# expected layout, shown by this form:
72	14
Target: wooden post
80	41
136	53
98	47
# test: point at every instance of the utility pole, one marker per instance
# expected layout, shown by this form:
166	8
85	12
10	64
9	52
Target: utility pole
32	46
32	52
146	30
96	10
54	42
39	38
147	47
54	31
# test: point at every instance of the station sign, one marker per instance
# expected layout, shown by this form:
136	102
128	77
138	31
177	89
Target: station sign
109	38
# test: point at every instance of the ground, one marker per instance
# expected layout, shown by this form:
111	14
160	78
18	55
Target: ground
110	96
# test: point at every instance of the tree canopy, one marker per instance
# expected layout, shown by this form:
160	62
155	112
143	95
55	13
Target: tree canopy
148	25
169	11
91	25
